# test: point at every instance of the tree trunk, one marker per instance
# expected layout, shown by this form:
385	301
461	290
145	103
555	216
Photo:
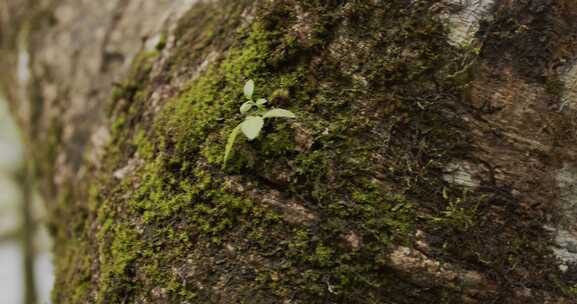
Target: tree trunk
433	157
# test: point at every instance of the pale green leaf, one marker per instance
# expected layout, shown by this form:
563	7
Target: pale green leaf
230	144
251	126
279	113
445	195
249	89
261	102
246	106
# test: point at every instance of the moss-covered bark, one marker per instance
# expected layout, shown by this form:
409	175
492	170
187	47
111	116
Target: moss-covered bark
352	202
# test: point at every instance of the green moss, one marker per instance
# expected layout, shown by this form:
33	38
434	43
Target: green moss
180	184
161	43
117	254
371	111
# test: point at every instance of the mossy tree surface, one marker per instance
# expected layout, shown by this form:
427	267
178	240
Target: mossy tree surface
404	178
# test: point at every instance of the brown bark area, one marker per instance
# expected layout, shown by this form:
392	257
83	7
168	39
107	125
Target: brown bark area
517	169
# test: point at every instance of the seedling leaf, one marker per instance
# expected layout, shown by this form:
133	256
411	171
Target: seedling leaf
279	113
246	107
230	144
251	126
249	89
261	102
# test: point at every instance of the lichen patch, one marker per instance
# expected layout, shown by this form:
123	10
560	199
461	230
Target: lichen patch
463	18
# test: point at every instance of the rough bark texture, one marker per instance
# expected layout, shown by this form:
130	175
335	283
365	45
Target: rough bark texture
432	161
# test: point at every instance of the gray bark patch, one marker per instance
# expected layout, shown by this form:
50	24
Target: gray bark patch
463	19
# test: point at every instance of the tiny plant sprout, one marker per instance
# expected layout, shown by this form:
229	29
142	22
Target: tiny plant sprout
255	114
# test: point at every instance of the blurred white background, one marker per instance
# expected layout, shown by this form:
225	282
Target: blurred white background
13	287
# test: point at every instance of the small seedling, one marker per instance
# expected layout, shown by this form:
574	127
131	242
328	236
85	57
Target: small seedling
255	113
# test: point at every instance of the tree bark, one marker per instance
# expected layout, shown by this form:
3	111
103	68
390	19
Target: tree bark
432	159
